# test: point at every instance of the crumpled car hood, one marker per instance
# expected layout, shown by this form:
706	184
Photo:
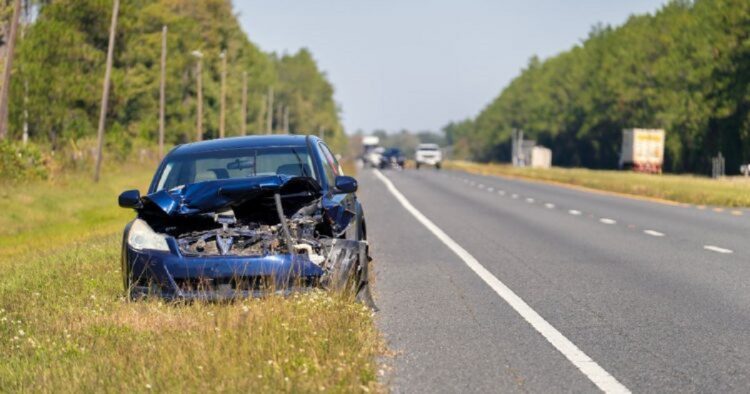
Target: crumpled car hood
213	196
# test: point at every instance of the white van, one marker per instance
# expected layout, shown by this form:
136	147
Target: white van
428	154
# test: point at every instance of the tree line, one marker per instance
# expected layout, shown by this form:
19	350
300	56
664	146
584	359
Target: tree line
59	67
685	68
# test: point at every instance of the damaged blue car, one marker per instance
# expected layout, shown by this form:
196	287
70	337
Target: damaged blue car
245	217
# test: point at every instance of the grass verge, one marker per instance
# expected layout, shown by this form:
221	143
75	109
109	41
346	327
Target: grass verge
676	188
65	326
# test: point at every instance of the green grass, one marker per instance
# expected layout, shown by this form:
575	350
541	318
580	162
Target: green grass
66	327
730	192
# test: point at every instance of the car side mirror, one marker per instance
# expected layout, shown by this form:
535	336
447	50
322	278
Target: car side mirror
130	199
346	184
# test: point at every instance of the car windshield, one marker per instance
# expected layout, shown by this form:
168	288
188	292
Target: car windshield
428	148
232	164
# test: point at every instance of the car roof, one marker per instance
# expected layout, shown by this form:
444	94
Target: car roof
252	141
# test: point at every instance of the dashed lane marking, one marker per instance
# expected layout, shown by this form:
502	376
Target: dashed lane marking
574	212
653	233
593	371
717	249
608	221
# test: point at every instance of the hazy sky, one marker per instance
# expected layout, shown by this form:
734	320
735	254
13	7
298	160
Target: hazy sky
418	64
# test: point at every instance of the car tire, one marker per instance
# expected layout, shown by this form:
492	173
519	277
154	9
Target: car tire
437	166
417	165
362	290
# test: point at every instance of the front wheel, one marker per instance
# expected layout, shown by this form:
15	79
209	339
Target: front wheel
359	281
418	165
437	166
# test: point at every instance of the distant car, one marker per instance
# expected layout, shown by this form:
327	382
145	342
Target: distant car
428	154
242	217
374	156
392	158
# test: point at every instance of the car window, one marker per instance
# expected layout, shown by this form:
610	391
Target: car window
233	164
331	158
328	169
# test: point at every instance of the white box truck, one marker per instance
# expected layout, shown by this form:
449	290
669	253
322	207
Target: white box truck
642	150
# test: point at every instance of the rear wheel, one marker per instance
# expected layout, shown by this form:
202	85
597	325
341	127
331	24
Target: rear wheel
437	165
418	165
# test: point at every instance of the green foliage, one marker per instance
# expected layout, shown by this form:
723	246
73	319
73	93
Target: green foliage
685	69
18	162
59	71
309	96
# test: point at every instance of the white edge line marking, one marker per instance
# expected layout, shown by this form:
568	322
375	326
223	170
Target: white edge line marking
653	233
718	249
608	221
600	377
574	212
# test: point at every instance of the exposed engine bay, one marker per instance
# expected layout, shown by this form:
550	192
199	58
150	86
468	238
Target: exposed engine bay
247	238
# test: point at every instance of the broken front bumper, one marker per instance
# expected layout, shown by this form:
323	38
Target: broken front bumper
172	276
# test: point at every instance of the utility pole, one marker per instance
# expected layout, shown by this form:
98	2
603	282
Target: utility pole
25	136
105	93
223	110
8	68
286	119
262	113
199	82
243	125
269	109
279	118
162	90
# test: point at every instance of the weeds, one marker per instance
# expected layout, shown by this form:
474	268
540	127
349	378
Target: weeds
65	325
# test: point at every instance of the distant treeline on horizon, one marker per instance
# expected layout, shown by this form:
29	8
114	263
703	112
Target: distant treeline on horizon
685	69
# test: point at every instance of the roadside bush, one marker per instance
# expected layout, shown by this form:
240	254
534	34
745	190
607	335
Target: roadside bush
19	162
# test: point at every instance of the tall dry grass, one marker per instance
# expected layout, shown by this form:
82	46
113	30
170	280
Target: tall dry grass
65	325
678	188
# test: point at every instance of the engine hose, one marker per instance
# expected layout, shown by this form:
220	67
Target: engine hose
282	220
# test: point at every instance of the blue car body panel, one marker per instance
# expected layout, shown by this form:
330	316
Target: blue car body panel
165	274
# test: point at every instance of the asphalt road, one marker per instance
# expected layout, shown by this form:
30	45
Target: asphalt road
658	296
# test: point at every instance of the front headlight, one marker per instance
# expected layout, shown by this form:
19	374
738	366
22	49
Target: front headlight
142	237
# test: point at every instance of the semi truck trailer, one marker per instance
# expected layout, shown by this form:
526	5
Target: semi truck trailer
642	150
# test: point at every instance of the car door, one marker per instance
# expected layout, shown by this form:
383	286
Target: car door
341	206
